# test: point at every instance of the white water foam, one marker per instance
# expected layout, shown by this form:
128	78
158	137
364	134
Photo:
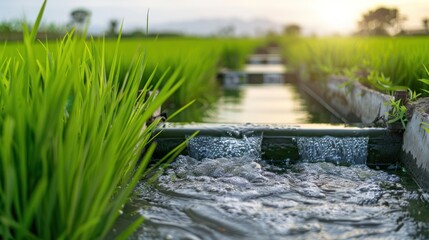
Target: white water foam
220	147
344	151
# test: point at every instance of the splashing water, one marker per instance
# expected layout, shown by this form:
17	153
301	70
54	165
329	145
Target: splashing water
233	194
217	147
240	198
336	150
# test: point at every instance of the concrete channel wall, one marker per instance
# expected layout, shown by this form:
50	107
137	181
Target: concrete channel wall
356	102
351	100
415	149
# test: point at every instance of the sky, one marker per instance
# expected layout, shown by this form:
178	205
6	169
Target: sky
314	16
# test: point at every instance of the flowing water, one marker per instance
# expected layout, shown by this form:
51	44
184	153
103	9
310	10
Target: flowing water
234	194
224	190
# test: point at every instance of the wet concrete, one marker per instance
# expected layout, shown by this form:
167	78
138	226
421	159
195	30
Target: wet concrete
416	143
281	141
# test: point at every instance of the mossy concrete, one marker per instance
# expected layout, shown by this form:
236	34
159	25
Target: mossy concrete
367	104
416	143
355	102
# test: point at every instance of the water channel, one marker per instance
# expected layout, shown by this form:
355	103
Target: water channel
267	103
224	189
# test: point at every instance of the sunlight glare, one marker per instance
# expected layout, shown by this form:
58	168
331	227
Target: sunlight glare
337	15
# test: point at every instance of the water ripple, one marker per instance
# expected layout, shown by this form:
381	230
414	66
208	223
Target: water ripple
240	198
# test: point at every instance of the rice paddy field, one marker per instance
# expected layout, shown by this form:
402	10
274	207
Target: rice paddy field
195	60
73	133
384	63
73	137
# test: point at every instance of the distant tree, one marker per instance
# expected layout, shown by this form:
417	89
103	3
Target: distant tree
112	27
292	29
53	28
11	26
381	21
270	33
79	17
5	27
426	23
227	31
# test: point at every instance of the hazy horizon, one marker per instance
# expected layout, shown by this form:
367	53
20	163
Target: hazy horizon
314	16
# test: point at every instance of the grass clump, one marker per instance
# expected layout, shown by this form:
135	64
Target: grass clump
71	137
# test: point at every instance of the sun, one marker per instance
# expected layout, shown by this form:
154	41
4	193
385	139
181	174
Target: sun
337	15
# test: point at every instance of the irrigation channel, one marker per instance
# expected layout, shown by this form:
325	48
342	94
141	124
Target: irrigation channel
290	180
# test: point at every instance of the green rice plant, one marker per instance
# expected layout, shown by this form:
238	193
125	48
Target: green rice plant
425	81
233	55
398	112
413	95
381	83
72	133
425	126
399	109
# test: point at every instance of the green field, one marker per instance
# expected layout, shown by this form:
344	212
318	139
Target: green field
383	62
73	113
72	123
72	120
194	59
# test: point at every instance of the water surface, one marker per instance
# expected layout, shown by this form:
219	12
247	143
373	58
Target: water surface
224	190
266	103
246	198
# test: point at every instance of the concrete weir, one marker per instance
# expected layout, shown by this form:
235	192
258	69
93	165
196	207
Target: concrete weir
361	104
279	142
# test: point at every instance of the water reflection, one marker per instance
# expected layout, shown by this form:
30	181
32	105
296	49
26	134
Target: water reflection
259	103
266	103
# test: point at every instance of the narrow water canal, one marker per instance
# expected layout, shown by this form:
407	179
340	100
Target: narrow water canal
246	197
210	195
264	96
267	103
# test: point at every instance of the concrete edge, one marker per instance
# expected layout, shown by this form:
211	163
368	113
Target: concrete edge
351	97
415	148
279	142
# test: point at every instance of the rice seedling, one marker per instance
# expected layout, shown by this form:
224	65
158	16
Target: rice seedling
381	83
398	112
425	81
72	134
425	126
